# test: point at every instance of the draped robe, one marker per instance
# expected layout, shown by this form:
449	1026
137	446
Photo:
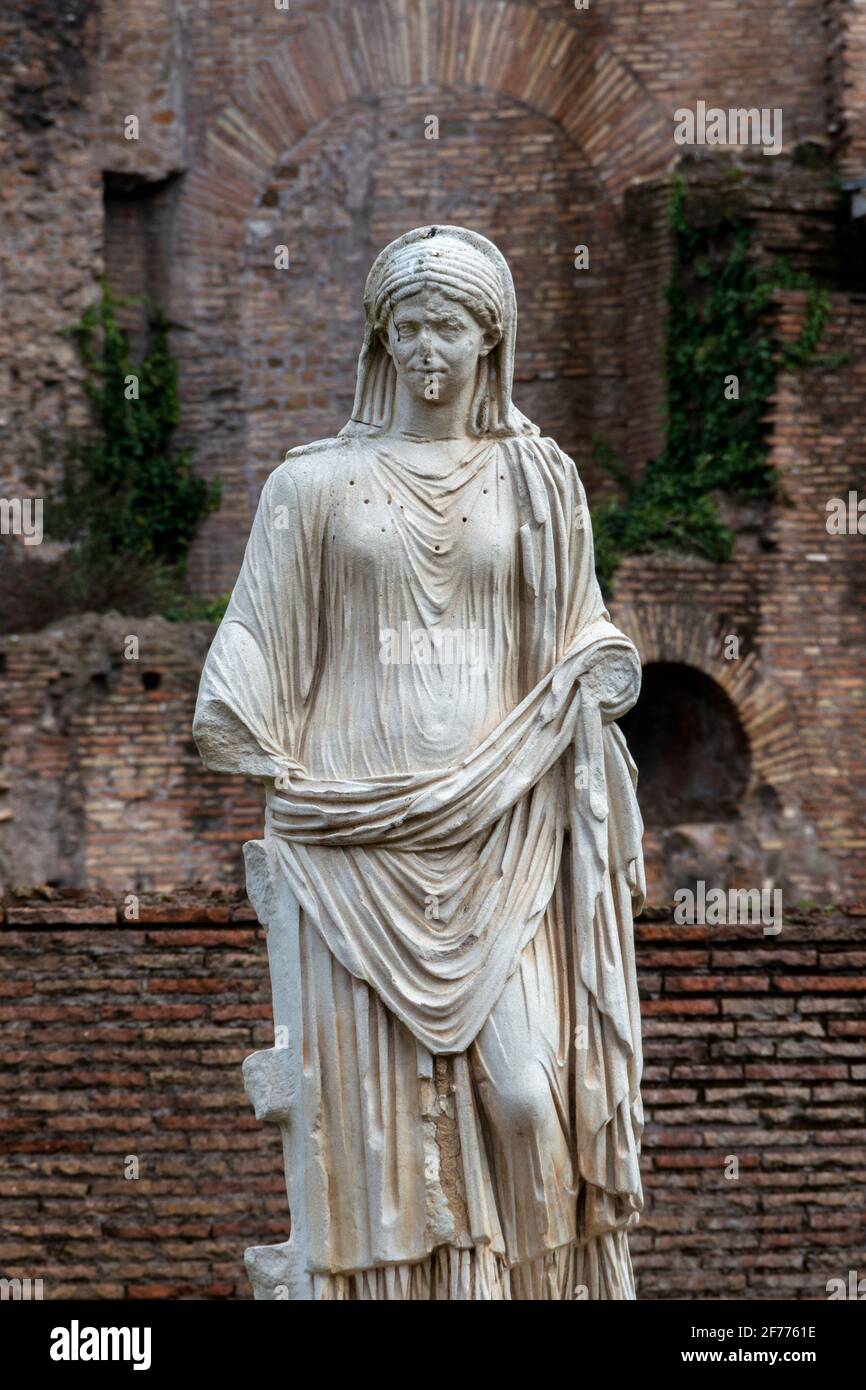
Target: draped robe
463	839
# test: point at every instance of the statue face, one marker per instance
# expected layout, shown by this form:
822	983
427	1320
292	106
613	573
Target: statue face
432	338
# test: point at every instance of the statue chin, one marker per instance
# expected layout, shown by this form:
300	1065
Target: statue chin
418	660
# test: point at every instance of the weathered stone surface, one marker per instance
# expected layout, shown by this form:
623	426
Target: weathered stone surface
269	1084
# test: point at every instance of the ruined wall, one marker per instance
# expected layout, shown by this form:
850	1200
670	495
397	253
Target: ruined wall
813	628
547	114
126	1041
51	216
359	180
792	595
540	128
100	781
846	85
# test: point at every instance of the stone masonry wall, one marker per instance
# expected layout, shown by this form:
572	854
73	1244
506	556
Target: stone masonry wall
547	115
100	780
51	216
126	1039
792	594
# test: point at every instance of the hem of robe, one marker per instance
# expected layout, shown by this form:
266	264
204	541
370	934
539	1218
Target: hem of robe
597	1269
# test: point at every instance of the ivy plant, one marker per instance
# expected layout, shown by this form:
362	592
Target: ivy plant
121	491
718	327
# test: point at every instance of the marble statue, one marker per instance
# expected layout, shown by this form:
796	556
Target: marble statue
418	665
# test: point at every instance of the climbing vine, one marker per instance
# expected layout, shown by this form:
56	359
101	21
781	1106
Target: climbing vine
122	494
718	329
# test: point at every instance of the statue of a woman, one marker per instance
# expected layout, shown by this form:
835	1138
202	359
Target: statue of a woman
418	664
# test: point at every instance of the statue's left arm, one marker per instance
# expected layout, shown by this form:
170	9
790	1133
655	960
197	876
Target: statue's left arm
610	675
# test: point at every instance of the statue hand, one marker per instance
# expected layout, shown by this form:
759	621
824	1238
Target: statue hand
287	768
612	681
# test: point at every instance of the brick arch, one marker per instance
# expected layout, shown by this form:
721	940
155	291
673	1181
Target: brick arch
561	71
358	179
510	50
683	634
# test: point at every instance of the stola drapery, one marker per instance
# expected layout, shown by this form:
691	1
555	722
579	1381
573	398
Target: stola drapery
462	837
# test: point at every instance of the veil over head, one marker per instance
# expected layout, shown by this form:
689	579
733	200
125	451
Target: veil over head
467	267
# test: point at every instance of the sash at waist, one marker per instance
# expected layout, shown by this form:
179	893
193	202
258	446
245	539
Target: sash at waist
440	808
429	886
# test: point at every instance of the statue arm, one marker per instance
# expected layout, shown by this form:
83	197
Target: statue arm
260	665
611	676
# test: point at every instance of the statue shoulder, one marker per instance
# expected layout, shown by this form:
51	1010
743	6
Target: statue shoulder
308	471
561	465
553	450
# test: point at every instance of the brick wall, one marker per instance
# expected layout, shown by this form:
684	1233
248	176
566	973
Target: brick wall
51	214
792	594
813	628
100	780
846	81
547	116
121	1043
127	1040
753	1050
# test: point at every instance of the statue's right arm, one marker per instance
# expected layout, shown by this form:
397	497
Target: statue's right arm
259	667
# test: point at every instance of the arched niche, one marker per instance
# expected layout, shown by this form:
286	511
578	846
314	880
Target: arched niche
690	746
426	59
367	174
712	719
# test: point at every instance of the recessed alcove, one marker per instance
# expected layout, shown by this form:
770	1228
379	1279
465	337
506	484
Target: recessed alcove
689	745
137	248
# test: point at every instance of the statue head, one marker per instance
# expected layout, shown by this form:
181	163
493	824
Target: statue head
436	342
440	305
